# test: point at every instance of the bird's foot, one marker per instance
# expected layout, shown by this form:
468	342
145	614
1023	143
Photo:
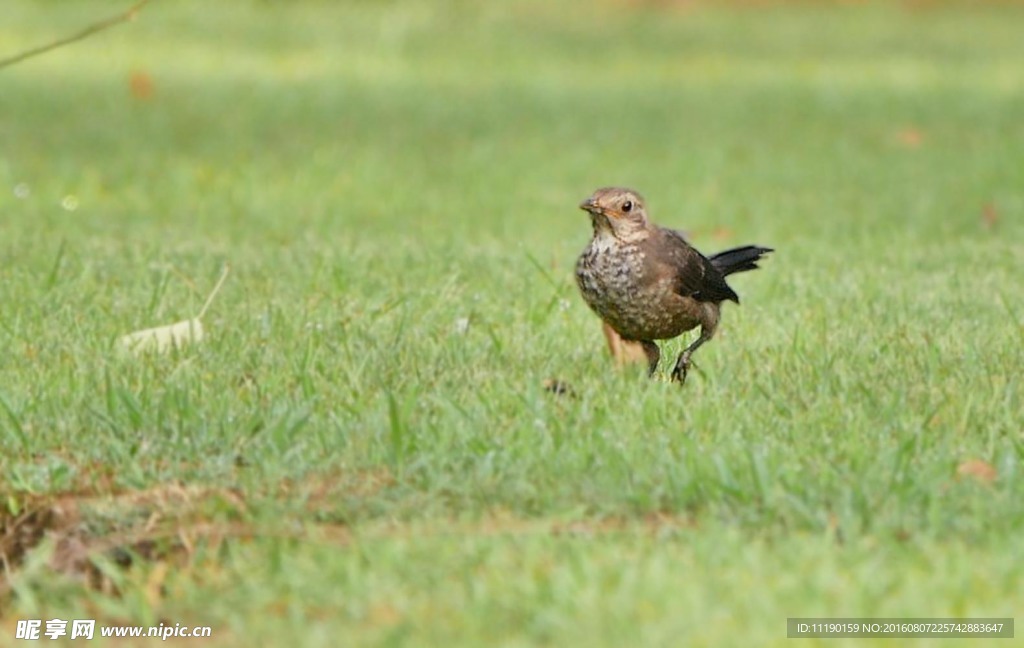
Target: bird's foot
682	368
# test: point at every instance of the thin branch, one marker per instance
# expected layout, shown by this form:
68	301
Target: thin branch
125	16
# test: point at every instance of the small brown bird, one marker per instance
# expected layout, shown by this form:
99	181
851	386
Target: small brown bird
647	282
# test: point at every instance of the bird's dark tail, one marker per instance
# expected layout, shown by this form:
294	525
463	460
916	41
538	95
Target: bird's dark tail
739	259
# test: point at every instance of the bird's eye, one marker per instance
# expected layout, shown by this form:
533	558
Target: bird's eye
627	206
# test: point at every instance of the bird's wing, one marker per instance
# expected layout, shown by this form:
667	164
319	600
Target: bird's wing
695	276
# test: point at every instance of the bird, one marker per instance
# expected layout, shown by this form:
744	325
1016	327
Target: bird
648	283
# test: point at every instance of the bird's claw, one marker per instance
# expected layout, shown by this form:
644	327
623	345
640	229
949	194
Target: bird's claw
682	368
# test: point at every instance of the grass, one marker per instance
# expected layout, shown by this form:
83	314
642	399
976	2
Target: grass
363	448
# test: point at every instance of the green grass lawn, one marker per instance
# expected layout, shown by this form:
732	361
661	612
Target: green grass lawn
362	451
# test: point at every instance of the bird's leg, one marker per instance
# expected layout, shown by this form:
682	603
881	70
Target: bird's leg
653	355
623	351
683	362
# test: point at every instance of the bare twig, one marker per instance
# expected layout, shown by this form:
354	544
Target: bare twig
125	16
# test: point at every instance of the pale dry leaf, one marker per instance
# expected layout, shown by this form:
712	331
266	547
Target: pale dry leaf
172	336
164	338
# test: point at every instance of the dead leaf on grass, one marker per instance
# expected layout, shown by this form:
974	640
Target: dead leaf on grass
989	216
559	387
721	233
172	336
910	137
141	85
978	470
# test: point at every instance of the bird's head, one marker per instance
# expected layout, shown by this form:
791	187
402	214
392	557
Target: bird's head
619	212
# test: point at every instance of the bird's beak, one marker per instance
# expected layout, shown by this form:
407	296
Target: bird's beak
590	205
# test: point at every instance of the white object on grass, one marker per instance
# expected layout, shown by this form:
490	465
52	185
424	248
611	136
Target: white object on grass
172	336
164	338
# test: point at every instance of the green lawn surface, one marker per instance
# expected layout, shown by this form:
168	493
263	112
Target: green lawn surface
362	451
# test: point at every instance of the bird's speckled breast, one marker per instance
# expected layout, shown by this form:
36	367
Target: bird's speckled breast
613	279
